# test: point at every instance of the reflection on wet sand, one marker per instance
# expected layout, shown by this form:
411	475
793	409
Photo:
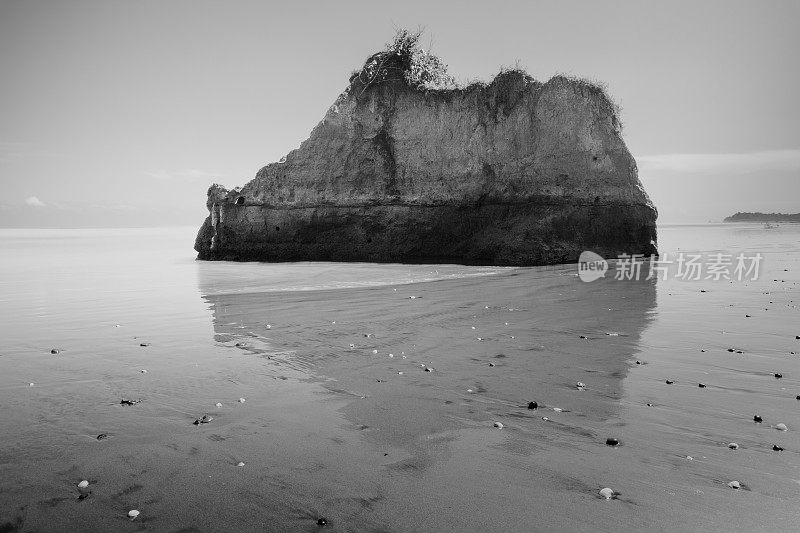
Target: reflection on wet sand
419	374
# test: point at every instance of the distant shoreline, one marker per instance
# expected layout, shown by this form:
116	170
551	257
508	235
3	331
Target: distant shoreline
763	217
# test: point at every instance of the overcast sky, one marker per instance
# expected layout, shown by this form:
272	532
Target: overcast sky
122	113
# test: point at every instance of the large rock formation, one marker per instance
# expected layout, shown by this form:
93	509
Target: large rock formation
514	172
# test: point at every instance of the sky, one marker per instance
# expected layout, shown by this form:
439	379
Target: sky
120	113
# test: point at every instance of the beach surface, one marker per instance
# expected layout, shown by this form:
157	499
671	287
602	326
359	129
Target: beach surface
373	392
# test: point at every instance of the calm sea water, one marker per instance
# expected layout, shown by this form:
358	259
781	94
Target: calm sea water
97	296
55	284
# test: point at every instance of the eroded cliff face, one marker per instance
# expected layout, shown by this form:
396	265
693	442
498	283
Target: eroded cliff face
511	173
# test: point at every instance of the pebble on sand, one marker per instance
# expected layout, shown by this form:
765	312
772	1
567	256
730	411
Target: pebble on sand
545	419
242	400
777	448
498	425
322	521
535	405
611	441
733	446
55	351
132	514
144	371
607	493
218	404
580	385
781	427
491	364
128	402
268	326
374	351
240	463
557	409
735	485
757	419
83	484
205	419
102	436
31	385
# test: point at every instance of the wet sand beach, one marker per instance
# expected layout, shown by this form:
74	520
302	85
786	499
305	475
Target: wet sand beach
372	397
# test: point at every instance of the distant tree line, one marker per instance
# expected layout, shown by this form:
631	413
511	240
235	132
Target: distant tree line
763	217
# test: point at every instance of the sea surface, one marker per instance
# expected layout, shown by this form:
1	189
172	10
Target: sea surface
372	390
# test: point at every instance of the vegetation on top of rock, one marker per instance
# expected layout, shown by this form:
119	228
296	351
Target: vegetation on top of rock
591	88
404	60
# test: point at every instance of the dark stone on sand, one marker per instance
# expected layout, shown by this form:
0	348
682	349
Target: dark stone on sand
731	350
54	351
102	436
611	441
512	172
535	405
701	385
322	522
778	375
757	419
205	419
777	448
129	402
145	344
669	382
638	362
84	495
